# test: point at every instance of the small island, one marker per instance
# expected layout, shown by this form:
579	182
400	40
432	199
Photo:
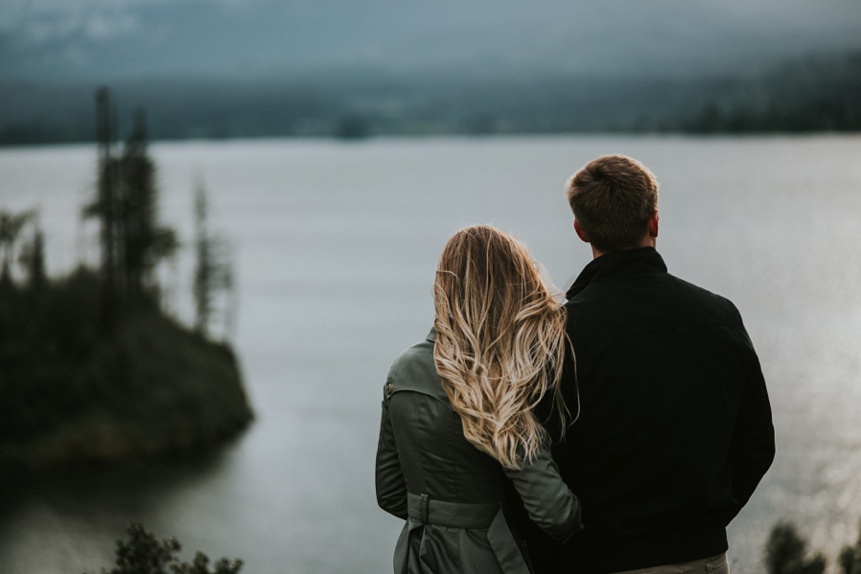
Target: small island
92	368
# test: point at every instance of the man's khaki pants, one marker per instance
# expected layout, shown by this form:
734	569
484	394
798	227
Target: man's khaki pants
713	565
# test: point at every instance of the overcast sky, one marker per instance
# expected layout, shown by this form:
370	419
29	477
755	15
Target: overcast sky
105	39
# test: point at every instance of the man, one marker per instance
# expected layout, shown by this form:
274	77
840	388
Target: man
675	428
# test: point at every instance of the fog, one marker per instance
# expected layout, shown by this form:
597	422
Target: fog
104	40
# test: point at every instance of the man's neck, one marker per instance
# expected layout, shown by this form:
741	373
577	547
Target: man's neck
647	241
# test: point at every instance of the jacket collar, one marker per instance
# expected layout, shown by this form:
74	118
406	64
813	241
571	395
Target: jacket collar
619	264
432	335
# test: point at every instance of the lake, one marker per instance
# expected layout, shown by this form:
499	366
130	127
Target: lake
335	246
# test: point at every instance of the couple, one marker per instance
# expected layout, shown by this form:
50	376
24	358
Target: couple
620	432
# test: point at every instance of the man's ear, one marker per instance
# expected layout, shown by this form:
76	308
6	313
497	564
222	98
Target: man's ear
653	224
580	232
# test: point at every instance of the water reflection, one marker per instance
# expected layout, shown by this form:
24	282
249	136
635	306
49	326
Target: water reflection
80	510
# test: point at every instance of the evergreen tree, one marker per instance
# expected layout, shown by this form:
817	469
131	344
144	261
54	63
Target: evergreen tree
105	208
144	242
126	205
11	226
32	259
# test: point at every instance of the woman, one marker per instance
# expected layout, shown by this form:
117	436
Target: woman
458	414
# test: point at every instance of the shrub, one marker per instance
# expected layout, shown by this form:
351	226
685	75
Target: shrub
143	554
850	557
786	550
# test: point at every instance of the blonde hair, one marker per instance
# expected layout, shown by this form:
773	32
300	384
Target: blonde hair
500	343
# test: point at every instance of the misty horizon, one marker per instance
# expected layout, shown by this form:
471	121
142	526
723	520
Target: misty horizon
215	69
103	41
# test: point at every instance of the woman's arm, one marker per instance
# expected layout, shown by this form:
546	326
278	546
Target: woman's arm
391	487
547	499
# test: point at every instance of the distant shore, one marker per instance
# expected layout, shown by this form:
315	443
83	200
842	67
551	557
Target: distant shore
813	94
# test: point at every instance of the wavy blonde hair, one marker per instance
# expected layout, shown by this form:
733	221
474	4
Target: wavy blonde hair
500	342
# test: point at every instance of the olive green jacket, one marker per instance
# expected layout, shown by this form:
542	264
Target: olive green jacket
450	493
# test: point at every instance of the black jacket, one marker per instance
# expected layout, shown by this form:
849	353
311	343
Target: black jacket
675	428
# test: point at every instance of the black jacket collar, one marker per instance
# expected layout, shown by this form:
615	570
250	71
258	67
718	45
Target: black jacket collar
619	264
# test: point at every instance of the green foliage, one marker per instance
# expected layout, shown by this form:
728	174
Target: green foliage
71	393
850	557
803	96
126	206
92	369
143	554
145	243
32	259
47	353
11	227
786	553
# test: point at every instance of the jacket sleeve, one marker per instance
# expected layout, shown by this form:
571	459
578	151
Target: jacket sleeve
547	499
753	447
390	484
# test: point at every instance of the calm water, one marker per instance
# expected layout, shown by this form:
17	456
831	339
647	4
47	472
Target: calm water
335	248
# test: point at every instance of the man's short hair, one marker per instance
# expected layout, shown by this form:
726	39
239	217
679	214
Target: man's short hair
612	198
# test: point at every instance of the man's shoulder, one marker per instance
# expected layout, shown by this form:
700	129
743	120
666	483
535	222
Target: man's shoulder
663	295
695	295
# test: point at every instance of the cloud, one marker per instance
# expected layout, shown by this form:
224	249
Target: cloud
50	22
275	36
